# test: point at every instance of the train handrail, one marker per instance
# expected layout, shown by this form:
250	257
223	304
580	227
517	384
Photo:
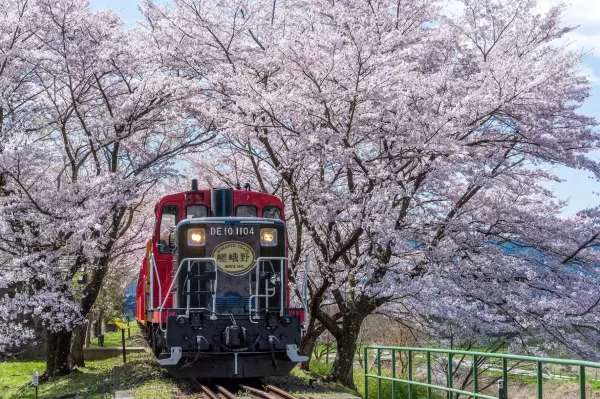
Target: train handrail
258	261
162	306
154	270
282	264
213	286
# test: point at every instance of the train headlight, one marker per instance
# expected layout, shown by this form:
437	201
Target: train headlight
196	237
268	237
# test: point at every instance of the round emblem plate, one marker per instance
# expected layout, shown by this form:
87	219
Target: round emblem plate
234	257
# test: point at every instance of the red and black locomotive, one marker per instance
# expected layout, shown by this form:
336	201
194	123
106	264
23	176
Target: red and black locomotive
212	295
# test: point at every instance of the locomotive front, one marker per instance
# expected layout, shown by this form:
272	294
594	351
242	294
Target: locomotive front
230	316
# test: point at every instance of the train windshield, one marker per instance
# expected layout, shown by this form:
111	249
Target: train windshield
168	220
271	212
196	211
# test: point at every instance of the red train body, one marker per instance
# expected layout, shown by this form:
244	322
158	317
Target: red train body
212	293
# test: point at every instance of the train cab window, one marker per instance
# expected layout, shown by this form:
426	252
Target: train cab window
196	211
246	211
271	212
168	219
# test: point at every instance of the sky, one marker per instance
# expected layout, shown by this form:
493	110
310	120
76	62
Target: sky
579	188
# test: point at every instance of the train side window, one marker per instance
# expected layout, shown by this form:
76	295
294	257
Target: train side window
271	212
246	211
168	219
196	211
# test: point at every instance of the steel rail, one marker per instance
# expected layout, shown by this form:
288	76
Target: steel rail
208	392
280	392
223	391
256	392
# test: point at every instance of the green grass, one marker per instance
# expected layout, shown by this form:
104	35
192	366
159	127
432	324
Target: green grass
95	381
387	387
113	339
321	368
14	375
594	383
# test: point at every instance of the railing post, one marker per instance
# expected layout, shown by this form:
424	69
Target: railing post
410	375
504	377
475	375
394	373
450	355
540	381
582	392
428	357
379	373
366	373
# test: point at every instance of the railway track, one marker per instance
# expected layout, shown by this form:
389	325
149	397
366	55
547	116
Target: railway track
235	391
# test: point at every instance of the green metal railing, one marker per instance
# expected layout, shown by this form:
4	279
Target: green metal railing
476	357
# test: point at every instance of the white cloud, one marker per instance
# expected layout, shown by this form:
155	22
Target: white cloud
587	43
579	11
586	15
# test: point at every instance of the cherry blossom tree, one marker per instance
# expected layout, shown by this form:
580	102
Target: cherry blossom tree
107	123
415	145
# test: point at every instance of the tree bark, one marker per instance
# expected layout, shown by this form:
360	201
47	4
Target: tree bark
77	341
313	331
343	366
88	333
57	359
92	289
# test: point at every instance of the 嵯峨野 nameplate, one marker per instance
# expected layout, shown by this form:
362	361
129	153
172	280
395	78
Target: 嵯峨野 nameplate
234	257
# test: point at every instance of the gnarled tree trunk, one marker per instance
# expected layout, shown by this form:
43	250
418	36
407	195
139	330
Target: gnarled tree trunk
88	333
57	359
313	332
92	289
77	341
343	366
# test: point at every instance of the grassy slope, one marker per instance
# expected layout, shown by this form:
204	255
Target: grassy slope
321	369
96	380
17	374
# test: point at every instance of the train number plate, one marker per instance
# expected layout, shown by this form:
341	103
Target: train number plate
229	231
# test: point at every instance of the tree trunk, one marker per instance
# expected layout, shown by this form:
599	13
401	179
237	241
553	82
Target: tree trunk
343	366
313	331
88	333
76	357
92	289
57	359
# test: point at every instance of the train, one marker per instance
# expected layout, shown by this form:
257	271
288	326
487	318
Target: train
213	293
